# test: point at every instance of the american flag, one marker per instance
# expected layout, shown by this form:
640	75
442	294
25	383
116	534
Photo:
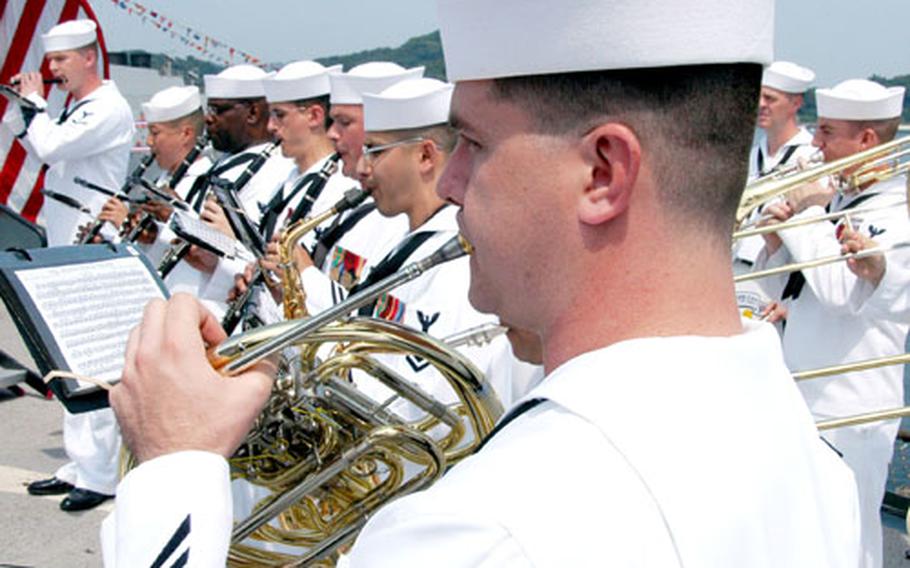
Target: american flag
21	24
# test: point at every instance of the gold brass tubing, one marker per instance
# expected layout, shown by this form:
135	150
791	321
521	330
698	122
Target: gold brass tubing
795	266
761	192
864	365
793	223
863	418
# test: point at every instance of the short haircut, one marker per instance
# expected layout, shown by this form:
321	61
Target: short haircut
320	101
885	129
443	135
695	124
195	119
92	47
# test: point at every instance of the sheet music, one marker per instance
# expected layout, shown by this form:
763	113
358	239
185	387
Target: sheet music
90	309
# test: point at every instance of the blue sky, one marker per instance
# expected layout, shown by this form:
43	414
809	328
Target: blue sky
829	36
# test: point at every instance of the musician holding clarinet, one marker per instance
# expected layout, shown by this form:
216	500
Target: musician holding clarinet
90	139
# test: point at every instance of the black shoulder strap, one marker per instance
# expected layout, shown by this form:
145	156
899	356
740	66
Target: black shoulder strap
788	153
390	264
337	230
797	280
508	418
68	112
197	190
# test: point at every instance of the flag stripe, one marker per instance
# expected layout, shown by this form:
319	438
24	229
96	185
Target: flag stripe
16	158
22	174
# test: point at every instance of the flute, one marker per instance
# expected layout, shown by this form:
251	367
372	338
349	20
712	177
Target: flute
52	81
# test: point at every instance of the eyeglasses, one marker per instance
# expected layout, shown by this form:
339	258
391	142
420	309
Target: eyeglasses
371	154
218	110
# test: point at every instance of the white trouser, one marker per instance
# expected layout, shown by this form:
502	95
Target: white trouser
867	450
92	442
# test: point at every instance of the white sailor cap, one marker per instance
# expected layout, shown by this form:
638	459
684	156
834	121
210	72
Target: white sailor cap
348	88
788	77
237	82
298	80
591	35
859	99
70	35
172	103
412	103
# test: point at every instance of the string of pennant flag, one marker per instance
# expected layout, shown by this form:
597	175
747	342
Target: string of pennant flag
204	44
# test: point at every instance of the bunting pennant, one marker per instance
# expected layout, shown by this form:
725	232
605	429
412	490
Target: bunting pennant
194	39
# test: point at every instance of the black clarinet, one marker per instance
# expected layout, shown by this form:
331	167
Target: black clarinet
146	219
135	177
176	253
236	311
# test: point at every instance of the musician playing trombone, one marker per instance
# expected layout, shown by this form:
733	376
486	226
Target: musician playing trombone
90	139
782	142
568	177
828	321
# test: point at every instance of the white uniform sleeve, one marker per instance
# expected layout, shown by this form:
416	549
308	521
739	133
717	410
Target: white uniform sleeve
401	537
321	291
171	507
832	284
890	300
93	128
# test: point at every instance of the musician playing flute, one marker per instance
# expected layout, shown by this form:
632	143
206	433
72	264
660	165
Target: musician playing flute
90	139
570	177
831	320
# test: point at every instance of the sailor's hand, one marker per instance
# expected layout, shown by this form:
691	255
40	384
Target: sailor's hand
870	268
170	399
814	193
774	214
774	312
213	214
201	259
29	83
270	265
114	212
158	209
241	282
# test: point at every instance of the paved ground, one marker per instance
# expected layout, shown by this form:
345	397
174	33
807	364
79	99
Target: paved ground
36	533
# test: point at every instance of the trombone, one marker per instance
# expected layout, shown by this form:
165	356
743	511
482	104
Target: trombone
872	167
864	365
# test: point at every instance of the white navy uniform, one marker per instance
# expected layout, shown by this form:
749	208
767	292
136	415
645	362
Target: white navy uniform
91	142
155	251
666	504
761	163
827	325
351	257
258	190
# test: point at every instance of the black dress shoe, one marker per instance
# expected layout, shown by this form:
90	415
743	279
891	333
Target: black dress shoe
52	486
83	499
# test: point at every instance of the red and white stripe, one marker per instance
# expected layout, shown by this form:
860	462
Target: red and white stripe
21	24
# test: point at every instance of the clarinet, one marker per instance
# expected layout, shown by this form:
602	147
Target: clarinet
94	229
176	253
145	220
235	312
238	309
